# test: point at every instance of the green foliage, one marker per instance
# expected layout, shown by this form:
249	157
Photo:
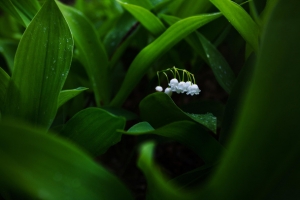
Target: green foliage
243	126
41	66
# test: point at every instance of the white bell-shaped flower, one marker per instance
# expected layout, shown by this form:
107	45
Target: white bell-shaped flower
186	85
168	91
180	87
193	89
159	89
173	84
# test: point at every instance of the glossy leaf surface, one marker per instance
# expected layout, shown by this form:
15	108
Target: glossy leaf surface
153	104
39	165
146	18
94	129
41	66
218	64
188	133
66	95
241	21
91	52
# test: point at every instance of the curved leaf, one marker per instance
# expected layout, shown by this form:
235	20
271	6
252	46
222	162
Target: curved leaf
158	187
4	80
263	154
8	50
241	21
188	133
9	7
158	102
146	18
218	64
160	46
94	129
91	52
39	165
42	63
66	95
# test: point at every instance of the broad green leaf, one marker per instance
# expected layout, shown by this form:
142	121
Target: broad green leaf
66	95
183	8
262	161
9	7
241	21
146	18
218	64
156	49
128	115
28	8
188	133
4	80
140	127
91	53
159	109
94	129
208	120
125	25
8	49
147	4
42	63
39	165
158	187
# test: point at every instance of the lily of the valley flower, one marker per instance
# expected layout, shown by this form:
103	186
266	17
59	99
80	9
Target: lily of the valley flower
168	91
159	89
193	89
173	84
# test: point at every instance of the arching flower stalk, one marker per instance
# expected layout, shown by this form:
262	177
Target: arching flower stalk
179	85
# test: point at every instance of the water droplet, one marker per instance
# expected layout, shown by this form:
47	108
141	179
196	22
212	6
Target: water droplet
207	55
46	77
62	74
54	61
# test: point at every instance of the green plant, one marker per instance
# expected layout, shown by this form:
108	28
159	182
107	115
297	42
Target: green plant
50	132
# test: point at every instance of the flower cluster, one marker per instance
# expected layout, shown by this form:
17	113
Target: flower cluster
189	87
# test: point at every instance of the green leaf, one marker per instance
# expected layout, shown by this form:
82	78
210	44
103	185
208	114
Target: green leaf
4	80
144	4
42	64
188	133
94	129
241	21
66	95
208	120
9	7
210	55
91	53
125	24
158	187
128	115
39	165
28	8
140	127
8	49
218	64
263	155
156	49
146	18
158	102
